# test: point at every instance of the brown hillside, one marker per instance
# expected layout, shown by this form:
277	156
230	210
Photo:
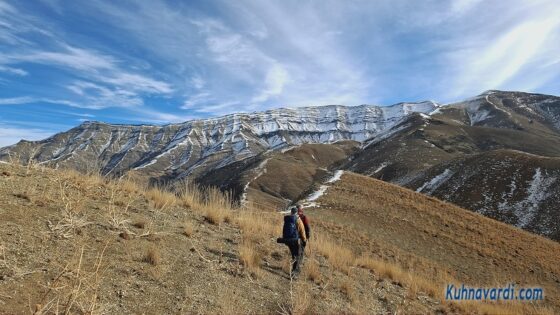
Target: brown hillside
434	239
77	244
287	176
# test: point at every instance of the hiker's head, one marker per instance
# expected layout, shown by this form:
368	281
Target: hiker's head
300	209
293	210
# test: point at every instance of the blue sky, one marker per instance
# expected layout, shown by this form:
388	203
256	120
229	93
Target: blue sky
157	61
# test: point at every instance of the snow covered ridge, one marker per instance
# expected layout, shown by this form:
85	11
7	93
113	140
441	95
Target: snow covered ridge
187	147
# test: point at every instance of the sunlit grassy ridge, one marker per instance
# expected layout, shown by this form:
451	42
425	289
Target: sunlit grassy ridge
82	243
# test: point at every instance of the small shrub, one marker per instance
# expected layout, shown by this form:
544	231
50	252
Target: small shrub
249	257
348	289
188	229
153	256
216	215
160	199
311	270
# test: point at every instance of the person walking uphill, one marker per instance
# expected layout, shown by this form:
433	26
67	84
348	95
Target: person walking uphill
305	222
292	232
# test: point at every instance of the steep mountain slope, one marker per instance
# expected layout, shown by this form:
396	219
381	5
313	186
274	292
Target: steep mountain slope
511	186
195	147
434	238
463	146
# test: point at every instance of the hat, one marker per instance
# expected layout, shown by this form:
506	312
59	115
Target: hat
293	210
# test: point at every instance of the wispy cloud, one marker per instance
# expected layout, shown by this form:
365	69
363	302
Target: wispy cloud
10	70
11	135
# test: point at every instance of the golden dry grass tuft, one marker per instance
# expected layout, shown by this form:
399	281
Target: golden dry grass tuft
257	224
190	195
153	256
396	273
250	257
311	271
160	199
347	287
216	205
298	299
188	228
340	257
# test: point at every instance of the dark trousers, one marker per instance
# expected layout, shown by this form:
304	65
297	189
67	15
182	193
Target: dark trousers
295	251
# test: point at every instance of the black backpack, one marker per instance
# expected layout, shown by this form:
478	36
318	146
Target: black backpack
290	228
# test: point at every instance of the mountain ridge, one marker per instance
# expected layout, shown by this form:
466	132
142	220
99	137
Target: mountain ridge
408	144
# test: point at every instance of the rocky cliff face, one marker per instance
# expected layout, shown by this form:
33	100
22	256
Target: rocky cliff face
195	147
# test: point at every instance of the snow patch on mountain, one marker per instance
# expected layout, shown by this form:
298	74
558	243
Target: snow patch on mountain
431	185
322	189
336	176
537	191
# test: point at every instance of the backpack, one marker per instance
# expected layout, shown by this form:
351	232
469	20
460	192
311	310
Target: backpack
290	230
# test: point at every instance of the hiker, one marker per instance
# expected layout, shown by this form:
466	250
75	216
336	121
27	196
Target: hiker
292	232
305	222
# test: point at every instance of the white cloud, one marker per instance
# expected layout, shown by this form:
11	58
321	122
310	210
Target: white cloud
97	96
16	71
196	100
71	57
479	63
198	82
11	135
276	79
31	99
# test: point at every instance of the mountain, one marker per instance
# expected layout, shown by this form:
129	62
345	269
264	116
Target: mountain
494	153
195	147
511	186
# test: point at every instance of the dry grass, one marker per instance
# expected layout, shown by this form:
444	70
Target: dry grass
216	206
130	186
311	271
249	257
347	287
339	256
153	256
502	308
299	299
75	289
392	271
257	224
216	215
188	228
190	196
160	199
